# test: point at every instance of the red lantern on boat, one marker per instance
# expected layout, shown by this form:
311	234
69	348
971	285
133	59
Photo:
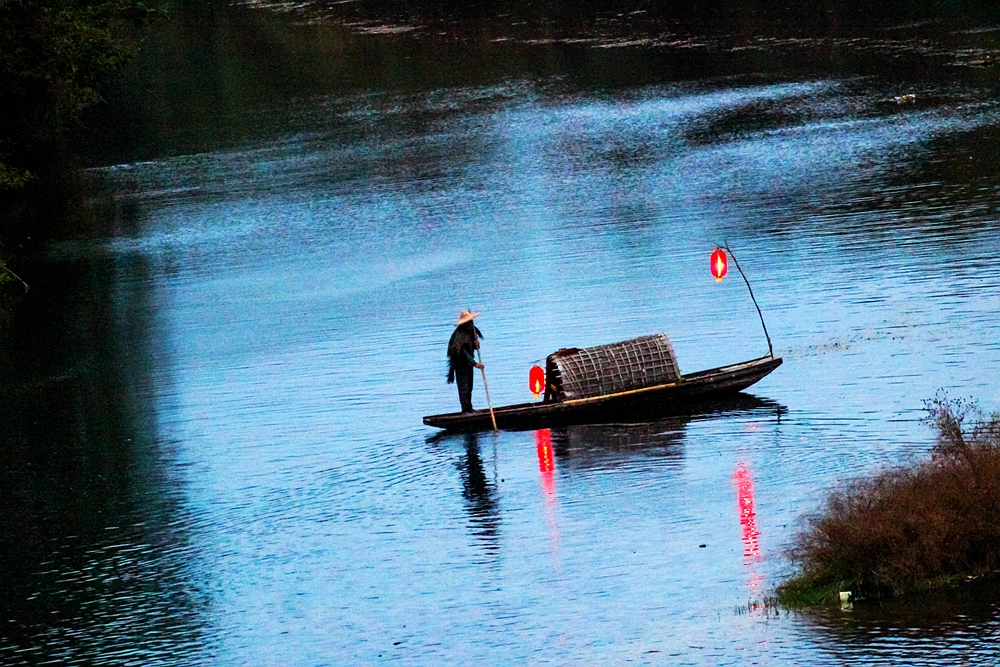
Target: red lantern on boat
536	380
719	264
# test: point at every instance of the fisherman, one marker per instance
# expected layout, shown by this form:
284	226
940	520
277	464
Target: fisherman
462	356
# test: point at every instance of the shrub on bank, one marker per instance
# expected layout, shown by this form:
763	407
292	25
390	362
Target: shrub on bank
909	528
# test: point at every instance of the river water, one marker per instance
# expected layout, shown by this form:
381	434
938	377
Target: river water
214	449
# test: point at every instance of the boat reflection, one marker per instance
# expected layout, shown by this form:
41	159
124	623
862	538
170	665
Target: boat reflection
579	447
603	446
607	446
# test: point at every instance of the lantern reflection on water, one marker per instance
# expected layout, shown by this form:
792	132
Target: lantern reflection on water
546	461
743	478
547	468
744	491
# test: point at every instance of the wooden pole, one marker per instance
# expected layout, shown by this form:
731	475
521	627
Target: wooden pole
486	386
770	350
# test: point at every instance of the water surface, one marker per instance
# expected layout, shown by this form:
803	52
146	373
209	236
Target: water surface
234	469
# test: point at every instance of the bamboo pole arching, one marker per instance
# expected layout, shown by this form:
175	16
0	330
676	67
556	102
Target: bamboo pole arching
770	349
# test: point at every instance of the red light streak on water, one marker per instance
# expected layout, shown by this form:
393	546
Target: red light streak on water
546	462
743	478
547	468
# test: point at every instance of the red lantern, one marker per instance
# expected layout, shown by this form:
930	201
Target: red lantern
719	264
536	380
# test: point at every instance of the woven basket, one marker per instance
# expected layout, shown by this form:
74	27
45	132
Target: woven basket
610	369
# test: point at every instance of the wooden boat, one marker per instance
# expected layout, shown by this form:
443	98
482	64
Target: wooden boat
630	380
683	394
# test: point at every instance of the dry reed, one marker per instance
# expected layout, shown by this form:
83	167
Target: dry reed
909	528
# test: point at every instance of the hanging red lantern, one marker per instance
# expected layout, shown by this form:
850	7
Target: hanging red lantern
719	264
536	380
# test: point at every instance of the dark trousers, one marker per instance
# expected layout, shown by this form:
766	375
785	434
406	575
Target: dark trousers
463	378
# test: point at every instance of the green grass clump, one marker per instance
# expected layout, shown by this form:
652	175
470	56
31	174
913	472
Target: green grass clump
910	528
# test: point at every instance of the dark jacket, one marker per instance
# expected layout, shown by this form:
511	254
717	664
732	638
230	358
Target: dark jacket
462	348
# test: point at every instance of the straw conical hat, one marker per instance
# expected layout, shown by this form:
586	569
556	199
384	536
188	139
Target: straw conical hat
466	316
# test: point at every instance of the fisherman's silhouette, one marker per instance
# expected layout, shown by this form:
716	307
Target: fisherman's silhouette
480	495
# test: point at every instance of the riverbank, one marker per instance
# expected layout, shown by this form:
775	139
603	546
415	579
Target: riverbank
910	528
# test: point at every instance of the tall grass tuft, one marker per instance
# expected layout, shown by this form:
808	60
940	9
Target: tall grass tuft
911	527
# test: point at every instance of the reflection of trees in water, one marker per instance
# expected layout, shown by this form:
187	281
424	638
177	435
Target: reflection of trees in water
968	159
959	169
480	495
950	626
608	19
205	76
92	561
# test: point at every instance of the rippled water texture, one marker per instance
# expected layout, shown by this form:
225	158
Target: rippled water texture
270	327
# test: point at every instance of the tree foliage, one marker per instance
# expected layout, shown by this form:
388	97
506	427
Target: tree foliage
54	54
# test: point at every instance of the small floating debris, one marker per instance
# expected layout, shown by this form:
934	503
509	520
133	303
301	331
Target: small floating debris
905	99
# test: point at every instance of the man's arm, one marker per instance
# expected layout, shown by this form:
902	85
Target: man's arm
472	359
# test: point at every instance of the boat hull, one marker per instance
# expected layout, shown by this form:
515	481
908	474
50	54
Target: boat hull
649	402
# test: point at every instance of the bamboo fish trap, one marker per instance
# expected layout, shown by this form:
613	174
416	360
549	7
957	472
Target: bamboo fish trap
646	361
